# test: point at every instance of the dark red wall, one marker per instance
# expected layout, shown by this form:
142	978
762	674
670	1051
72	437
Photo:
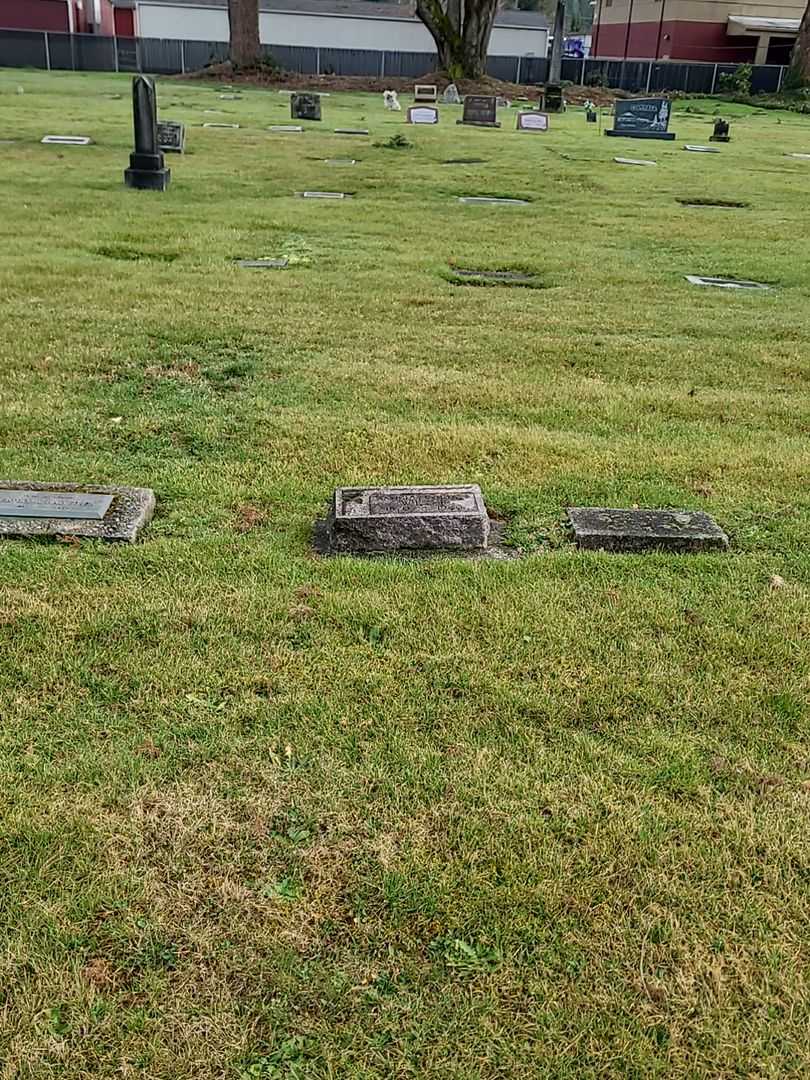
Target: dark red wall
125	22
687	41
34	15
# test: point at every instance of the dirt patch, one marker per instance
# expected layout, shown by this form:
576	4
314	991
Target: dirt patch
362	84
457	275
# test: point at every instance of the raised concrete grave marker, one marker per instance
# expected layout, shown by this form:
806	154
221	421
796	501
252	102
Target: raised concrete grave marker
599	528
724	283
67	140
305	106
369	520
424	93
423	114
171	136
532	121
35	510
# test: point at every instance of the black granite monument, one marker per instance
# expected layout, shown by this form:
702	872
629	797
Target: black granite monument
553	100
147	168
305	106
721	128
642	118
480	111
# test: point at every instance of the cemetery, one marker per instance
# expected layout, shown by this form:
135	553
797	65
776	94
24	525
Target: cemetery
405	649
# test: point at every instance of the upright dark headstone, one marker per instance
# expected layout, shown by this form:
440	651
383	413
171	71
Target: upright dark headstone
305	106
171	136
147	168
553	100
642	118
480	111
721	128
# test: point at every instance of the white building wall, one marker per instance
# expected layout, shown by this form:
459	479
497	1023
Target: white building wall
157	20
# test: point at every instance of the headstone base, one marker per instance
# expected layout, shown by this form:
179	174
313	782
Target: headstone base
148	179
667	135
480	123
719	138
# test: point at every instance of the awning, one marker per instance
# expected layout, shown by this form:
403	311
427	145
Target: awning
750	24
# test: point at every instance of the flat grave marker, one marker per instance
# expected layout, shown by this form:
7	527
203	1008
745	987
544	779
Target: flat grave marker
88	512
395	519
642	118
340	161
532	121
305	106
633	161
598	528
725	283
171	136
262	264
324	194
232	126
805	156
480	111
285	129
351	131
701	149
423	114
67	140
483	200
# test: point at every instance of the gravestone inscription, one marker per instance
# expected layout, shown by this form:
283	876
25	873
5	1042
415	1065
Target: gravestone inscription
369	520
171	136
642	118
480	111
305	106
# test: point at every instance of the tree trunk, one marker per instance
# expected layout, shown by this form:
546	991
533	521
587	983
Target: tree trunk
246	50
555	64
799	74
461	30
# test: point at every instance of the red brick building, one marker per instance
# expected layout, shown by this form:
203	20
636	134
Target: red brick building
715	31
60	16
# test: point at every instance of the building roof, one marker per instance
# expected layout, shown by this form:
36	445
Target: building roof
368	9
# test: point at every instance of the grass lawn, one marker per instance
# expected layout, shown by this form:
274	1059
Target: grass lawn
266	814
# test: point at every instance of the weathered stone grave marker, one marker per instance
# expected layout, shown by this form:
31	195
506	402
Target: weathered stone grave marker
642	118
286	129
721	131
598	528
147	170
305	106
171	136
323	194
532	121
35	510
262	264
451	95
553	100
423	114
340	161
351	131
391	520
632	161
480	111
701	149
233	127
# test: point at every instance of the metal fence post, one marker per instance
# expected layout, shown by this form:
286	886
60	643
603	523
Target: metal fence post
382	64
649	78
686	79
318	61
182	57
47	53
781	77
115	53
714	79
517	71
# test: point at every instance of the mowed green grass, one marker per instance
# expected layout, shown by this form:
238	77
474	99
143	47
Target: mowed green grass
273	815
